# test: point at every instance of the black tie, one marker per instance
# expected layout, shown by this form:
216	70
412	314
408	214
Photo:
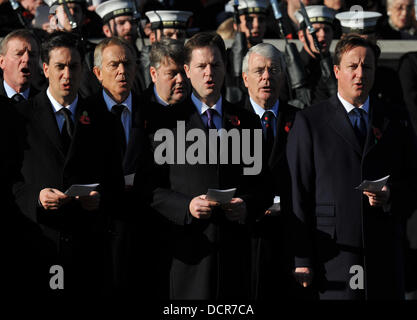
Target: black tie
67	129
210	118
267	120
117	110
359	125
18	98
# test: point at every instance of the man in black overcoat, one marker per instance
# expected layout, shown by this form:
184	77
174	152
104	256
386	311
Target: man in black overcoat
66	142
349	243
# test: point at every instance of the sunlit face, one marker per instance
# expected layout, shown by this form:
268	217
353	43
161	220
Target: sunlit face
324	34
334	4
19	63
401	13
263	79
206	72
355	75
64	73
117	72
121	26
170	81
253	25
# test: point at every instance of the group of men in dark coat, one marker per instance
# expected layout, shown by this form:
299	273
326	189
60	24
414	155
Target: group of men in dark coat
205	248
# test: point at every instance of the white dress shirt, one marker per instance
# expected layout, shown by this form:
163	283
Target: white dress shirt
60	119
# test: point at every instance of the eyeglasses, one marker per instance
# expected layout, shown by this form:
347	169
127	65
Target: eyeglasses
403	7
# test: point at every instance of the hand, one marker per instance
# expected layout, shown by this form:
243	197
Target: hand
62	18
304	276
235	210
378	198
90	202
52	199
201	208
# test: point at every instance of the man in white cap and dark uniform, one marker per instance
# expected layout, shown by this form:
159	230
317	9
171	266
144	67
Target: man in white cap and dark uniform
164	24
250	30
321	18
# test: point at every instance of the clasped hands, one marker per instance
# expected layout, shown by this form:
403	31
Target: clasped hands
202	208
53	199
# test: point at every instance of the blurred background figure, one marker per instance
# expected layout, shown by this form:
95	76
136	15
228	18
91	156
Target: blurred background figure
400	22
9	14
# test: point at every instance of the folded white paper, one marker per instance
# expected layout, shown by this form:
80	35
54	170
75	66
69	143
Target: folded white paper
221	196
129	179
81	189
277	204
373	186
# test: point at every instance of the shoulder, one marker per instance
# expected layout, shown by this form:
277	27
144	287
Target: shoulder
244	115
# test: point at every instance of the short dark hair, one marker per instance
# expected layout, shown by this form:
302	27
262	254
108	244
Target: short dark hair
204	39
166	48
60	39
351	41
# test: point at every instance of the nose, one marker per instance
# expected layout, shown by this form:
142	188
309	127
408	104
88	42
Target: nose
179	77
255	23
128	25
66	73
25	57
208	70
321	34
174	36
121	68
266	74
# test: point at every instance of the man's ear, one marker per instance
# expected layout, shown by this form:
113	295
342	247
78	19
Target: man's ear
336	71
245	79
45	68
301	36
106	30
152	37
1	62
97	72
187	70
152	71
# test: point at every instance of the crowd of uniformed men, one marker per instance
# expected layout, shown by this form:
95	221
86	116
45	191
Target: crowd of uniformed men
111	113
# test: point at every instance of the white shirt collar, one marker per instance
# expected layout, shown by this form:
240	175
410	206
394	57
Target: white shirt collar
349	107
58	106
159	99
260	111
110	102
11	92
202	107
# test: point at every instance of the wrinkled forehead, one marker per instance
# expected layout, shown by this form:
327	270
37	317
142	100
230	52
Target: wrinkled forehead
19	42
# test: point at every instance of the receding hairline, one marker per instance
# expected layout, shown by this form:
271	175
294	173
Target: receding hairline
4	47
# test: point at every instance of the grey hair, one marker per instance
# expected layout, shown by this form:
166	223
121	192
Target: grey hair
17	34
166	48
266	50
390	3
107	42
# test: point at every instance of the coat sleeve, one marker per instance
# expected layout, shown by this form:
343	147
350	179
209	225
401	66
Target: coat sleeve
301	164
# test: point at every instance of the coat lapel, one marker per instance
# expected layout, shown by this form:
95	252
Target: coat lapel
378	123
45	117
340	123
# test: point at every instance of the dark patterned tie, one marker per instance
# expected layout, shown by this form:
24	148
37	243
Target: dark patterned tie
359	124
267	120
117	110
18	98
210	118
67	129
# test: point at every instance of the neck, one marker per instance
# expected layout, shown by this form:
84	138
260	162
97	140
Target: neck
18	88
64	101
357	102
118	98
265	104
209	101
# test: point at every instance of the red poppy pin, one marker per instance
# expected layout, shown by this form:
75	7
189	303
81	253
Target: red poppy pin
377	134
234	120
288	126
85	119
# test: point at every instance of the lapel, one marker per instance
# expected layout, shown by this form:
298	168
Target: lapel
136	133
2	90
191	116
378	123
278	149
339	121
45	118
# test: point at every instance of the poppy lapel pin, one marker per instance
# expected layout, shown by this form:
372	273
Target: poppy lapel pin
85	119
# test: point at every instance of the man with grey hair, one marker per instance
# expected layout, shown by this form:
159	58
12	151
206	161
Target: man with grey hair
114	67
19	53
263	70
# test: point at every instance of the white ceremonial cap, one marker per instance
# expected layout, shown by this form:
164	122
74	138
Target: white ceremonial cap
114	8
361	22
175	19
316	14
249	6
53	4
